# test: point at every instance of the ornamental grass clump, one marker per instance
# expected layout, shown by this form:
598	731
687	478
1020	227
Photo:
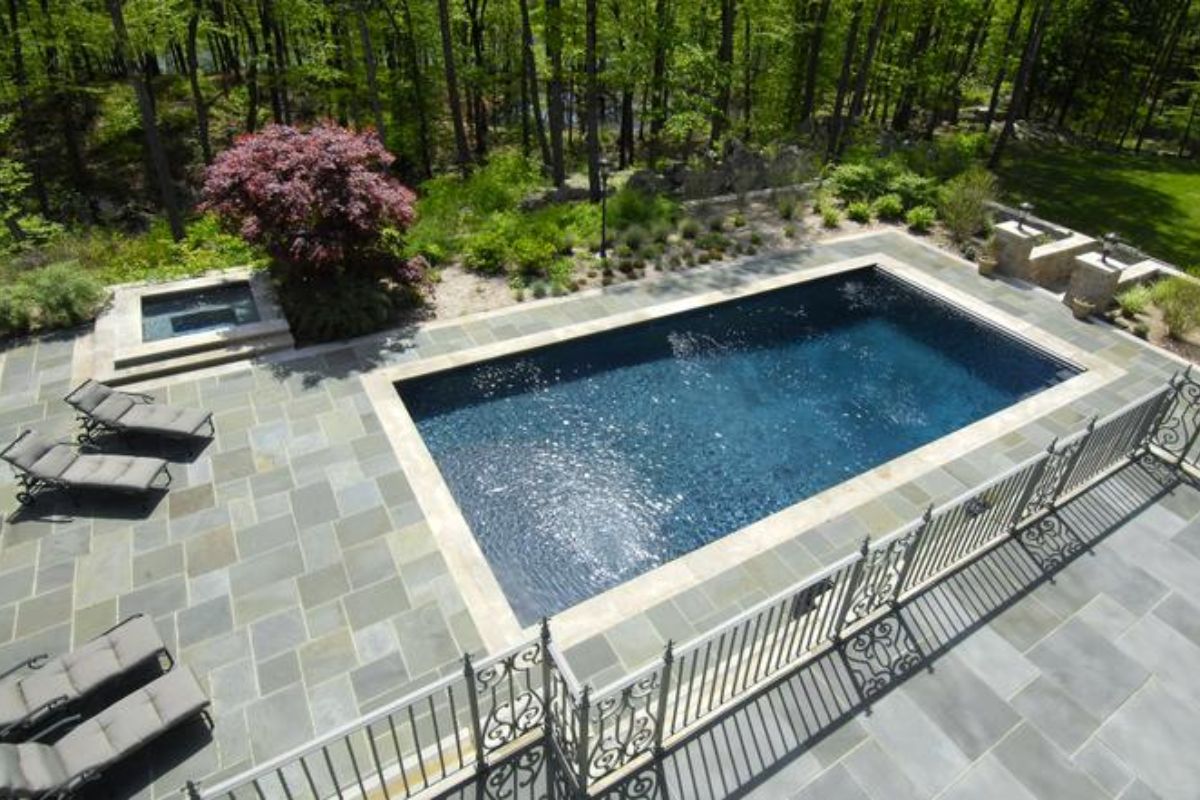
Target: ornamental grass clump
321	203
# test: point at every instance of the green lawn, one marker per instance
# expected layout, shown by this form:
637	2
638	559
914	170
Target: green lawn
1153	202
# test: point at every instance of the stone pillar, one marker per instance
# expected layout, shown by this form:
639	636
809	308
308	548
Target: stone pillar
1014	243
1094	280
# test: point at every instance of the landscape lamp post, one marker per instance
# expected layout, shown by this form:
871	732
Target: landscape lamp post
604	211
1024	215
1110	244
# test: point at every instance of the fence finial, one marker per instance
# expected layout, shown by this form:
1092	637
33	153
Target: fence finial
545	632
1050	447
866	546
928	514
1091	426
191	790
669	652
468	667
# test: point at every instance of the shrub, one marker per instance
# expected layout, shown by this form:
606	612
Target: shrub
1179	301
487	250
57	296
532	255
756	238
353	305
635	237
920	219
913	189
1134	300
789	231
630	207
888	207
712	241
690	228
786	205
964	200
315	200
830	216
716	224
738	220
859	211
855	182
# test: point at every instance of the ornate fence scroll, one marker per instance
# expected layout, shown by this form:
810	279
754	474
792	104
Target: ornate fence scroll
472	719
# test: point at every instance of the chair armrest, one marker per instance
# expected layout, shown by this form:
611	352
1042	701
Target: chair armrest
33	663
58	724
139	397
125	621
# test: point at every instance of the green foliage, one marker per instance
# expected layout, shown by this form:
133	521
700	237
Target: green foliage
785	204
690	228
1179	301
831	217
487	250
327	309
947	155
56	296
635	237
888	207
1134	300
860	181
630	207
963	207
859	211
920	218
914	190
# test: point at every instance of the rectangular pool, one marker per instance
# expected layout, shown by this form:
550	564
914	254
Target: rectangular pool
583	464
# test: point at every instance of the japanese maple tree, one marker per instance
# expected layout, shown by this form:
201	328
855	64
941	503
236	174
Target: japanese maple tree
316	199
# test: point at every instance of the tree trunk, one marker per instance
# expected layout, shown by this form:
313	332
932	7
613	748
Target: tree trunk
193	70
145	100
476	10
815	40
462	152
26	122
592	109
531	81
747	77
1164	76
1010	37
1187	131
658	78
408	34
251	70
835	120
864	69
554	90
720	114
1095	15
364	35
904	103
1037	30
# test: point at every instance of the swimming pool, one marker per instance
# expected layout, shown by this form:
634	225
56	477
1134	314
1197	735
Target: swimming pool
192	311
583	464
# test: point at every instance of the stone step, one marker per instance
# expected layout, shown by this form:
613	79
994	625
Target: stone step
201	359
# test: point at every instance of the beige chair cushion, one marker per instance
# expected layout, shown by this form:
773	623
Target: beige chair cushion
113	408
97	662
12	702
29	770
113	471
89	395
132	722
164	419
28	449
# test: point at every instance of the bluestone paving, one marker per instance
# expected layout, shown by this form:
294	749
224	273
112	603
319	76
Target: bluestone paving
291	568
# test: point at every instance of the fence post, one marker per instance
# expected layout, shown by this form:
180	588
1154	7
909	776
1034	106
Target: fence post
911	556
191	790
1030	487
1070	467
839	620
581	763
547	678
664	687
476	724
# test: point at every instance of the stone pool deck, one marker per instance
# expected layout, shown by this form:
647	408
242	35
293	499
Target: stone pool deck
292	567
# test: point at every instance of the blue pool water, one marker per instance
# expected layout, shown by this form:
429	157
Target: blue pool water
196	311
584	464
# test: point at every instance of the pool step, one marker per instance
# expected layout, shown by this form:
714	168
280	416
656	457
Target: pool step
142	369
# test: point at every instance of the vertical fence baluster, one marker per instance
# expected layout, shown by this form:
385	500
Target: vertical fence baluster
583	713
664	689
473	701
839	620
910	556
547	717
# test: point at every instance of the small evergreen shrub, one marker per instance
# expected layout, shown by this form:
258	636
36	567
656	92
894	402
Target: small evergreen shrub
630	207
914	190
888	207
920	219
964	202
830	216
690	228
57	296
855	182
786	206
859	211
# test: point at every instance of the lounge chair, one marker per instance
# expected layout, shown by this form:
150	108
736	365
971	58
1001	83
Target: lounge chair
37	690
34	770
42	464
102	408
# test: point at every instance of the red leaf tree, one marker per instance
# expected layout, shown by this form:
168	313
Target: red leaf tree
317	200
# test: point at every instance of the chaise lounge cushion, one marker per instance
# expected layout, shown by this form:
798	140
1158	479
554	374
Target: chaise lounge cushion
128	724
29	770
88	396
113	408
39	456
76	674
113	472
164	419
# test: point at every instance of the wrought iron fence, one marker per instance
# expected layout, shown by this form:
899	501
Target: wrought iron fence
463	723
